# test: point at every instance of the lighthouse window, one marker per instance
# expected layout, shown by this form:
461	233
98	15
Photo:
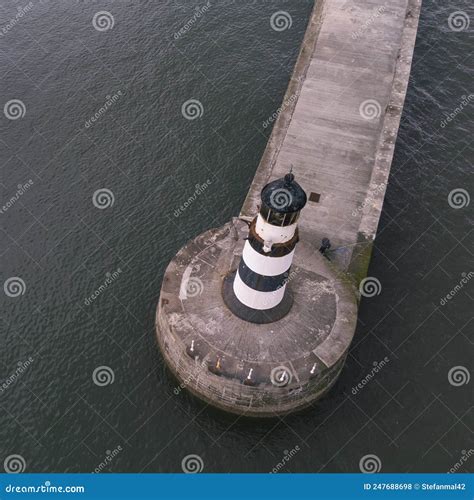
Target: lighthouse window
291	218
267	213
278	218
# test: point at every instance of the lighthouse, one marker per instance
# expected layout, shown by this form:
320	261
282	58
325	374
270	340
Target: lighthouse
257	290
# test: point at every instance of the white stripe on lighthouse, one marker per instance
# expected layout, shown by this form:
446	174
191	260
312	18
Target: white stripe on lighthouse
269	232
268	266
255	299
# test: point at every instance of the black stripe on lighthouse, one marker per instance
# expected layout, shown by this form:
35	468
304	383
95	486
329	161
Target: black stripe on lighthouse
260	282
278	249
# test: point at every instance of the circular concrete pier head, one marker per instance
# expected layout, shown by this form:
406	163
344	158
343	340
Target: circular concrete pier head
259	370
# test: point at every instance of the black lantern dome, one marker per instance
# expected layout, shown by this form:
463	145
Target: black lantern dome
284	195
282	201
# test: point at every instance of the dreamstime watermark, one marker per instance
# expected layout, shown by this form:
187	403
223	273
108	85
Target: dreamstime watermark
459	21
373	195
370	109
280	376
22	189
466	100
47	487
281	21
199	11
458	198
109	279
286	103
14	464
281	198
21	368
177	390
109	456
192	464
21	12
103	20
370	287
103	375
200	188
192	109
103	198
365	26
110	100
377	366
465	279
287	456
458	376
191	287
14	287
370	464
14	109
291	276
465	456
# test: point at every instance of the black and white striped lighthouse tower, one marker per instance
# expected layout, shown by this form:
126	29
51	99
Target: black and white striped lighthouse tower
257	290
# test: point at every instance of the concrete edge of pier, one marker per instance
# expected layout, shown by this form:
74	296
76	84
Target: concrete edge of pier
386	144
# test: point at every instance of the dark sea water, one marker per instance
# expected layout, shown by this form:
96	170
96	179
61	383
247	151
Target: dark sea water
150	159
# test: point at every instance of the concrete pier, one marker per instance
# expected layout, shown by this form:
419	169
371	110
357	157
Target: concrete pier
338	129
351	79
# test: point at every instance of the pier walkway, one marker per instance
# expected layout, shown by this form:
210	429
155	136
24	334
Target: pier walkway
339	134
